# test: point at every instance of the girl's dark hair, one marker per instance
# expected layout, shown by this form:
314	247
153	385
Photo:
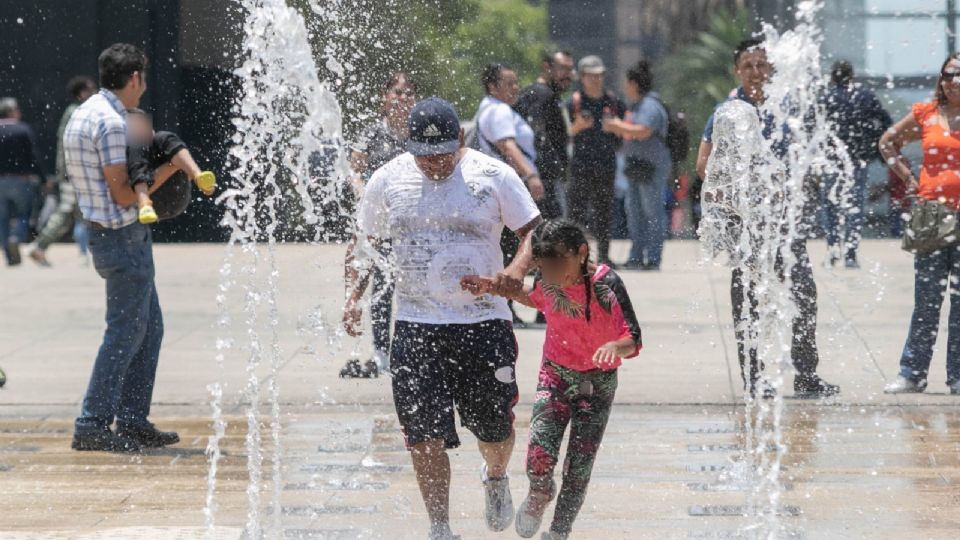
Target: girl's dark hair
941	97
395	78
559	238
491	75
641	75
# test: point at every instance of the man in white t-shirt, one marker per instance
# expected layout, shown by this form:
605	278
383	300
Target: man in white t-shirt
443	207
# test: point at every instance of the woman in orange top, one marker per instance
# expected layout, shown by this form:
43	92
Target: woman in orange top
936	125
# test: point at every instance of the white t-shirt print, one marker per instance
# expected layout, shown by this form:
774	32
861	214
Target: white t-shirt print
444	230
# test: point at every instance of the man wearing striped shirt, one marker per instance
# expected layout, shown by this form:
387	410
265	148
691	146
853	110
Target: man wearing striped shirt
95	152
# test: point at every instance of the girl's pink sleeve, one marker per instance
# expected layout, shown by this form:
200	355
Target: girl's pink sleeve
536	296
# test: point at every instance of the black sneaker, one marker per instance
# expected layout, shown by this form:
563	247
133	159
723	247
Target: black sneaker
3	378
767	392
148	436
354	370
13	253
103	441
811	386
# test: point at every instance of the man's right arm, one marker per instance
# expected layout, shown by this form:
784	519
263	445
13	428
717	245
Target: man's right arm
703	157
706	147
363	253
356	278
118	182
111	144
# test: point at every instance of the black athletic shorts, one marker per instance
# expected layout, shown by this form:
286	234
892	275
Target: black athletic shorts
437	367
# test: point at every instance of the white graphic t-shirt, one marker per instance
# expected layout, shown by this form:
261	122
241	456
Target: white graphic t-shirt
444	230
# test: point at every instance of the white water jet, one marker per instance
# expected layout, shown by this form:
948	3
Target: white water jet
285	117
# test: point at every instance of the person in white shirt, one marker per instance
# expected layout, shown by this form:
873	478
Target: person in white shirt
443	207
502	133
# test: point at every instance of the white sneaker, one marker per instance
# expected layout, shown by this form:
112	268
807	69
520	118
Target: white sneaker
382	360
441	531
498	504
530	514
903	385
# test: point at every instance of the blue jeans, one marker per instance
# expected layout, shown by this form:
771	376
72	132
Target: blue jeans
647	218
852	229
934	272
16	203
121	385
81	235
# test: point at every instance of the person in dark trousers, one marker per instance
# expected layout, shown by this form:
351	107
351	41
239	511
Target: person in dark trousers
647	166
593	165
381	142
19	175
541	105
95	152
858	119
754	70
79	89
934	124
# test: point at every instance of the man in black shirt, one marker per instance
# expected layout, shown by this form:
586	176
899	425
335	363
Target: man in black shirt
593	166
541	106
19	173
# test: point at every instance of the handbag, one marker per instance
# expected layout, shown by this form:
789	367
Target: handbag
930	226
639	170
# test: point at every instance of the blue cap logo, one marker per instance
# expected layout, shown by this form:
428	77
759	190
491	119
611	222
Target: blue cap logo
434	128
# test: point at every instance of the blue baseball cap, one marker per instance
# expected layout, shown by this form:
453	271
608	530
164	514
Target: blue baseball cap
434	128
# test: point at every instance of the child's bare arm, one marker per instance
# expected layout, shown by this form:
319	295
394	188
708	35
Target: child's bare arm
478	285
161	174
143	194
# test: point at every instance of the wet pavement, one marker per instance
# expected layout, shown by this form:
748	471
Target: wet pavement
864	465
663	472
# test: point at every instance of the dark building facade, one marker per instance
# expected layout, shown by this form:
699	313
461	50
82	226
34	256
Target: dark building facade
624	31
191	45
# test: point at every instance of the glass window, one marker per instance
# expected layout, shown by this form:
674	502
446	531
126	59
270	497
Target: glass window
908	46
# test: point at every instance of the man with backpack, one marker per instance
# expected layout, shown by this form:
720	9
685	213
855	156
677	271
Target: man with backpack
593	165
648	166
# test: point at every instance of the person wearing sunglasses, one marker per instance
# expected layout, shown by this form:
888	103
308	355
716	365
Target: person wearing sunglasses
936	124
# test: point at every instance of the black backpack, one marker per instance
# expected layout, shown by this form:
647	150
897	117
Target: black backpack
678	134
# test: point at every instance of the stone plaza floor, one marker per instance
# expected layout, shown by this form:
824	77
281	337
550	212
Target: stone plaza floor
863	465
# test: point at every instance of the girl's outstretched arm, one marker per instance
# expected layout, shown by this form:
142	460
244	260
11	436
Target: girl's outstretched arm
609	353
479	285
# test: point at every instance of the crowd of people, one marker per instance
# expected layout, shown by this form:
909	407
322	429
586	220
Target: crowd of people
449	223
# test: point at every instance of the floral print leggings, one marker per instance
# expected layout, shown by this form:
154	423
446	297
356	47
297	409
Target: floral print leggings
582	399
